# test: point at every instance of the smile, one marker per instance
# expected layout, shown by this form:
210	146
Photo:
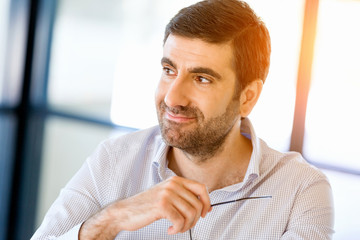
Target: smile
178	117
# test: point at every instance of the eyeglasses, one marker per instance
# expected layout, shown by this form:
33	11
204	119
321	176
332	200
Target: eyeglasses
232	201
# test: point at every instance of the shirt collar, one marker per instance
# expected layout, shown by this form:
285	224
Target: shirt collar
246	129
159	160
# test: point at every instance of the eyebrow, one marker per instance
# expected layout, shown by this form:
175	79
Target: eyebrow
168	61
205	70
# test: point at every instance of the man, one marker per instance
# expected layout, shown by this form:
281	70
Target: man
179	180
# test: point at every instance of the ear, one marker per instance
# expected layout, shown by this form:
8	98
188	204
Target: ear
249	97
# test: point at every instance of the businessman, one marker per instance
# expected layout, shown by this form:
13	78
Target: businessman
202	173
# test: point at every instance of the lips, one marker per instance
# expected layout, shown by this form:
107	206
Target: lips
179	118
179	114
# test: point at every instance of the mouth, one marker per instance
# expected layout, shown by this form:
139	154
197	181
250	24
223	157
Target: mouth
178	118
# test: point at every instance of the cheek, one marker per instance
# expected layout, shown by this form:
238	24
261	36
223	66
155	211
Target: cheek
215	106
160	92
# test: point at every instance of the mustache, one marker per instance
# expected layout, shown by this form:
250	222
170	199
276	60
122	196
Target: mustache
183	110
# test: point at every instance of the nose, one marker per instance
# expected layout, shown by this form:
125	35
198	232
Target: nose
178	92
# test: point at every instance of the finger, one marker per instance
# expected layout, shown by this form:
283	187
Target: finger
195	193
186	202
176	218
192	208
172	206
189	210
201	192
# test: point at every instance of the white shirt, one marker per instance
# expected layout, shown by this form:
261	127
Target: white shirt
301	205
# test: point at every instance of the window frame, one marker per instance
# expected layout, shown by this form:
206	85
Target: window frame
32	110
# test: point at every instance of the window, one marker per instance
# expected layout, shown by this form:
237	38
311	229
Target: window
7	141
4	15
333	117
273	115
107	55
67	144
94	69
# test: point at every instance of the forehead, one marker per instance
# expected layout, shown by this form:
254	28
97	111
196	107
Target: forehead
196	52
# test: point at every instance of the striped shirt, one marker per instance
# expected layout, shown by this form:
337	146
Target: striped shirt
300	207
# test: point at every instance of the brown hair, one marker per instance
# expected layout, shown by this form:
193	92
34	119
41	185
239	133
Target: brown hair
220	21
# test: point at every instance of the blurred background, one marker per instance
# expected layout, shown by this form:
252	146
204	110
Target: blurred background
75	72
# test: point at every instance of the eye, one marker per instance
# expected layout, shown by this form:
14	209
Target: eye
202	79
168	71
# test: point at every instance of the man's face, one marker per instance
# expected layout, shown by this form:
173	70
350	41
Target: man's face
195	99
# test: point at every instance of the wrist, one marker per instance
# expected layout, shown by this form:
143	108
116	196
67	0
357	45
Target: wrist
101	226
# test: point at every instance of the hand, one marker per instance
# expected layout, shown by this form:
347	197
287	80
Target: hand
177	199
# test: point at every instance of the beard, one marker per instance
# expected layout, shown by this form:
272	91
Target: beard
201	138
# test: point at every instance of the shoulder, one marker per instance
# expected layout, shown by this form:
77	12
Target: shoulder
291	165
139	139
128	155
301	193
128	148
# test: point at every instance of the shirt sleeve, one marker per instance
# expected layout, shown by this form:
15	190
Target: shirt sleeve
73	234
312	215
79	200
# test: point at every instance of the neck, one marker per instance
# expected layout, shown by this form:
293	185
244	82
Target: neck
225	167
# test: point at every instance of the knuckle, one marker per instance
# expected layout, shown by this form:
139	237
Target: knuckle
174	178
193	213
203	186
171	183
163	199
190	213
164	193
198	204
178	221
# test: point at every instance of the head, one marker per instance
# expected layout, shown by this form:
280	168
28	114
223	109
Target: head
228	21
215	59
